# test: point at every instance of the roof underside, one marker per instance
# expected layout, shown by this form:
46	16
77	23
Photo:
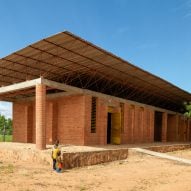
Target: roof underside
69	59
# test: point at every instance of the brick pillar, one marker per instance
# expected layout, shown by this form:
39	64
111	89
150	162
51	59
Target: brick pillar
164	126
40	116
101	120
152	124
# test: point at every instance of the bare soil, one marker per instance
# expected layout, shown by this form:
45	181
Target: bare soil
137	173
182	153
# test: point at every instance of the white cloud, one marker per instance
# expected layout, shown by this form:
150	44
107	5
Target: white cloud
6	109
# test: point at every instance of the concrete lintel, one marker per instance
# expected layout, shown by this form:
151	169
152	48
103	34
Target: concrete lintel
61	86
62	94
71	90
97	94
48	96
20	86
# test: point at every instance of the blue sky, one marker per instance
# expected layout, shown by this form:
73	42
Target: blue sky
151	34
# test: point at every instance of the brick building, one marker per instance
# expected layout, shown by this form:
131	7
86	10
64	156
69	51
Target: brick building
66	88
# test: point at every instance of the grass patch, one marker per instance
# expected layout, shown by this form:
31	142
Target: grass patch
8	138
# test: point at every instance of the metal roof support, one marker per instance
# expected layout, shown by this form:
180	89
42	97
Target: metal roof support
69	59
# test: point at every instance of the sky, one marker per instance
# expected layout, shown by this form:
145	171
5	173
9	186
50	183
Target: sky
154	35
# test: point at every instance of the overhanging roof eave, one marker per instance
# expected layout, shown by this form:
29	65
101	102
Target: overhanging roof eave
29	63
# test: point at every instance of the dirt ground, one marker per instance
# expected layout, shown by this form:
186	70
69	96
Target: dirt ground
137	173
182	154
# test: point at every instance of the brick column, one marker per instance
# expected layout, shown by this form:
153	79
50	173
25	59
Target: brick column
40	116
152	124
164	126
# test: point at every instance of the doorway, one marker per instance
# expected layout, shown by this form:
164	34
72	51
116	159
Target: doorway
109	128
114	128
158	127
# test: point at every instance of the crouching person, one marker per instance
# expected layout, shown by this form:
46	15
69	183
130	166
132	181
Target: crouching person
59	162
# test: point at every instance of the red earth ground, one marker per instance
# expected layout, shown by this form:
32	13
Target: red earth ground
137	173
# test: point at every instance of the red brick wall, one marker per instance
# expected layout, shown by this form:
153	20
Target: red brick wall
20	122
55	122
152	125
129	118
172	128
164	126
65	120
34	125
188	128
100	136
102	112
148	133
71	120
189	131
182	129
138	124
30	123
49	122
127	130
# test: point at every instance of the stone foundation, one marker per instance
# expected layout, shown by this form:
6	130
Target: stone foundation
80	159
169	148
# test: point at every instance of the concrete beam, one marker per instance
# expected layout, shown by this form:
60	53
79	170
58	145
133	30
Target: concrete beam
20	86
48	96
71	90
61	86
62	94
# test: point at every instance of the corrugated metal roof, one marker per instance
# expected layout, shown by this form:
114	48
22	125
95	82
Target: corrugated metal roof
68	58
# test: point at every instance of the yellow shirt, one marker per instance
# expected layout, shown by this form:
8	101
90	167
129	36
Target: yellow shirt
55	153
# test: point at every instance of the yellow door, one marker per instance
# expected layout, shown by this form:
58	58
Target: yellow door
116	128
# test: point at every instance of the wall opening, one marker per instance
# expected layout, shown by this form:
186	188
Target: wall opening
158	127
93	115
113	126
6	126
116	128
109	128
171	128
122	117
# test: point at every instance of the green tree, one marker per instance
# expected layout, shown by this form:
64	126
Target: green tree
187	106
5	125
